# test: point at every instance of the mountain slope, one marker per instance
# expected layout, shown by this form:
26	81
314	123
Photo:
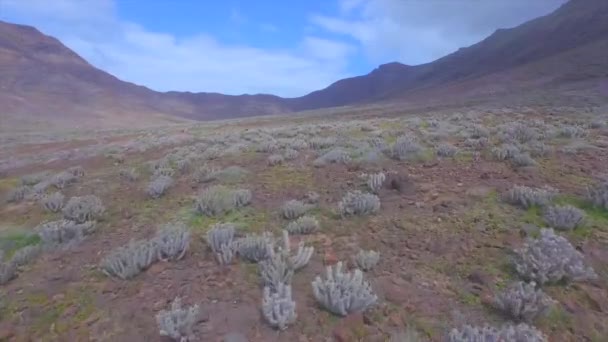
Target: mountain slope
42	81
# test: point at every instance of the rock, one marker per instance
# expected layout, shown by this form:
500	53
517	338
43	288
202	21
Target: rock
479	277
344	330
234	337
401	183
7	332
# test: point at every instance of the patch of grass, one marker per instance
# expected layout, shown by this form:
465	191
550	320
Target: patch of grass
556	319
534	215
551	169
249	219
7	184
283	176
463	157
12	241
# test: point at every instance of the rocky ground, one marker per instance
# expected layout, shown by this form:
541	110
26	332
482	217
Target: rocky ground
444	231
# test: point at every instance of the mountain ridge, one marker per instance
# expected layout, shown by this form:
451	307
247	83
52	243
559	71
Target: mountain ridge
42	80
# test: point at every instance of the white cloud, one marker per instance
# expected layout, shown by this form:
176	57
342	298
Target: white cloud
419	31
165	62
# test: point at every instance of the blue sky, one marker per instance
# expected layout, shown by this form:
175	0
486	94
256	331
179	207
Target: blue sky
288	48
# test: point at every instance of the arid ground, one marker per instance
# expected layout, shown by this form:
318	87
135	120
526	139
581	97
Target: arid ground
445	232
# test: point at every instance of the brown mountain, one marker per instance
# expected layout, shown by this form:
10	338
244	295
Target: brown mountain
565	52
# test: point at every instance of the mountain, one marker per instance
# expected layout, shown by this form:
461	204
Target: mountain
557	56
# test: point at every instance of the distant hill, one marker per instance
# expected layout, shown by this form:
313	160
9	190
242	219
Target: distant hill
42	81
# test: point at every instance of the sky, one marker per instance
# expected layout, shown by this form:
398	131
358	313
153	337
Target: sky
286	48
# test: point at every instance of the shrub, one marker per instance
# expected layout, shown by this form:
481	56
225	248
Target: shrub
8	272
477	144
275	159
550	259
358	203
172	241
572	132
63	179
406	148
522	160
165	171
565	217
294	209
375	181
83	208
598	195
518	132
319	143
204	174
522	301
278	307
35	178
130	175
335	156
53	202
516	333
126	262
527	197
537	149
218	200
25	255
64	232
157	187
290	154
20	193
77	171
446	150
231	174
343	293
505	152
303	225
177	322
478	131
366	260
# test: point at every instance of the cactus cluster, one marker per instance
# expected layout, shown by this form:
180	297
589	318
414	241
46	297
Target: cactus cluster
358	203
218	200
550	259
522	301
375	181
178	322
527	197
366	260
83	208
158	186
515	333
566	217
294	209
219	239
303	225
52	202
343	293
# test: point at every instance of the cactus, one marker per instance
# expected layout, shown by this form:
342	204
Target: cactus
64	232
522	301
358	203
522	159
375	181
63	179
53	202
551	258
77	171
177	322
343	293
518	333
218	200
219	238
598	195
83	208
527	197
127	261
255	248
366	260
130	175
276	270
275	159
335	156
294	209
446	150
278	307
303	225
20	193
204	174
172	241
565	217
405	148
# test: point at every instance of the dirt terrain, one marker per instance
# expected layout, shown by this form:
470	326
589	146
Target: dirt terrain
444	231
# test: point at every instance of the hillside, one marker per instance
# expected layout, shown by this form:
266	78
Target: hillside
43	81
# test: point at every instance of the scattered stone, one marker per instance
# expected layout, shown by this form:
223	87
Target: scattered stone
234	337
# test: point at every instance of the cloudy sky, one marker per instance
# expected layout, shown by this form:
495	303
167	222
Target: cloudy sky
287	48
